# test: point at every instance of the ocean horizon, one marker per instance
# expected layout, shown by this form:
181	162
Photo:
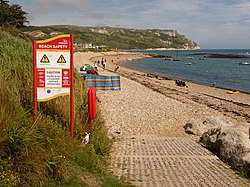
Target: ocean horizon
193	66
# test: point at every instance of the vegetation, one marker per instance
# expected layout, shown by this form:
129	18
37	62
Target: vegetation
41	152
12	15
116	38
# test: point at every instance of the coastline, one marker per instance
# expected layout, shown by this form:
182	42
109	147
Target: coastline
197	101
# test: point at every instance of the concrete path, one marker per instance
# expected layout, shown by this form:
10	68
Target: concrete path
152	161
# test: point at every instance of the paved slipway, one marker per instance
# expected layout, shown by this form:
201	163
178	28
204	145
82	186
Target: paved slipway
150	145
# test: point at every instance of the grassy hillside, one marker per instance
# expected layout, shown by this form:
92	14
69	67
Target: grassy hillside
119	38
42	153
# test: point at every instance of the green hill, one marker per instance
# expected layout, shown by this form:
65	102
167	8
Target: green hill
116	38
41	152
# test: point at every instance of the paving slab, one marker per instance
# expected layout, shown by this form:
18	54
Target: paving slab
152	161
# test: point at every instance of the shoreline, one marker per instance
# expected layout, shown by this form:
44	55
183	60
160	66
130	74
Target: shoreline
183	79
179	78
236	107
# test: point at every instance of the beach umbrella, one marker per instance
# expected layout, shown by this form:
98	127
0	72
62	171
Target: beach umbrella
86	67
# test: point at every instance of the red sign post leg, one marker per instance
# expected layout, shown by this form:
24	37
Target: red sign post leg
72	87
34	81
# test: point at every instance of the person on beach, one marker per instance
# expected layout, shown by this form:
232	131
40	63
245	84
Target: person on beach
96	71
95	64
104	65
180	83
116	68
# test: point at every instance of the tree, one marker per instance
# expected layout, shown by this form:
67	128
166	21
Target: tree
18	16
12	15
5	13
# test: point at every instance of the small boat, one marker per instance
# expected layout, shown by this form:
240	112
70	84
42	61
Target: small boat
233	92
244	63
176	59
188	63
167	58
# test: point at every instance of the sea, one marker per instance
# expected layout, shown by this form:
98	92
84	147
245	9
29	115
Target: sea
193	66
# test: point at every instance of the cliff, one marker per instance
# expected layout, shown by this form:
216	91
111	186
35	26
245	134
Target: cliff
116	38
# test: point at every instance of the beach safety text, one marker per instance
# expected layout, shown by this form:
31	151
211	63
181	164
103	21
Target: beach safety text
49	46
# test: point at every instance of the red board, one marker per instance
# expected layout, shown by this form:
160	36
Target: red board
53	71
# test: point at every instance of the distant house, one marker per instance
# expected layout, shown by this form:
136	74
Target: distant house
85	45
90	46
101	47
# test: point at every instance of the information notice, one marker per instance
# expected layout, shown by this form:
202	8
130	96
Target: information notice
52	67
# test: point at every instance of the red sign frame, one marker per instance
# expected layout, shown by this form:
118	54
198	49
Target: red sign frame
64	44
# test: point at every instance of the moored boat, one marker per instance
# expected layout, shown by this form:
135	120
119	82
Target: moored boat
244	63
167	58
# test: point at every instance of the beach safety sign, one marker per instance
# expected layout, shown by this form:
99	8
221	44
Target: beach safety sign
53	71
52	64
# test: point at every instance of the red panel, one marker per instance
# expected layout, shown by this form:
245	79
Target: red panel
61	42
66	78
40	73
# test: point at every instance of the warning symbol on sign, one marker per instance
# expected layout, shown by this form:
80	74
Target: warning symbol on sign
61	59
44	59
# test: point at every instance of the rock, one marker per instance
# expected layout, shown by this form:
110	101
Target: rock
244	127
195	127
209	139
235	148
231	143
217	121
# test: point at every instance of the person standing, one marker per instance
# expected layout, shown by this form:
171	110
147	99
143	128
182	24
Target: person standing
116	68
104	65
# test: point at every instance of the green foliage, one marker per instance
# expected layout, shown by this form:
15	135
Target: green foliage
7	176
41	152
116	38
12	15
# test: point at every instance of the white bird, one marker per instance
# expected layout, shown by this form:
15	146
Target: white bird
85	139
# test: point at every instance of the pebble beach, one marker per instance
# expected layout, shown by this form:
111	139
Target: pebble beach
151	104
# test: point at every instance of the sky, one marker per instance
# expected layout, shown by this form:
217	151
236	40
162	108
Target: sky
212	24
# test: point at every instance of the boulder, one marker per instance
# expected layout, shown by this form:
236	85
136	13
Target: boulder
235	148
231	143
197	127
209	139
244	127
217	121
